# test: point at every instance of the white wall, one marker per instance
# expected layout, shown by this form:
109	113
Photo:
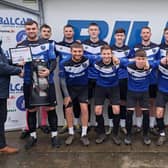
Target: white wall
32	5
57	14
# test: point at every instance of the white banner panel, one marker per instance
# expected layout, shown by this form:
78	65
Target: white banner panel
11	32
16	105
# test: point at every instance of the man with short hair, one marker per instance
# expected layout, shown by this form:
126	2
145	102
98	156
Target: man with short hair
42	51
162	96
92	50
138	83
153	54
45	33
164	44
107	86
74	84
64	54
6	71
120	50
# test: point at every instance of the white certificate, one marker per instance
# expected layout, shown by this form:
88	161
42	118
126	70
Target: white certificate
20	54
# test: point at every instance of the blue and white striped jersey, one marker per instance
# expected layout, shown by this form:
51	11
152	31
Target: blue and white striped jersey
153	54
107	75
163	49
63	51
92	51
121	52
75	73
138	79
163	78
41	50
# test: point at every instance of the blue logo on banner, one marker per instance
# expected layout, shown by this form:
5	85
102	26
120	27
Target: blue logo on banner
16	87
83	24
13	21
20	103
21	35
133	37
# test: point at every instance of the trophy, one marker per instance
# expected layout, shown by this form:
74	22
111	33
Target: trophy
39	95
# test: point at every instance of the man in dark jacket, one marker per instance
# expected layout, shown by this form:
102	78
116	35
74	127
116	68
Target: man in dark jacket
5	71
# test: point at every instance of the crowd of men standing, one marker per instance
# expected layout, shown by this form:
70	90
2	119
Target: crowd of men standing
132	79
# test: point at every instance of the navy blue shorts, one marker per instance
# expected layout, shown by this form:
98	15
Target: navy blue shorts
123	89
111	93
134	97
153	91
91	88
161	99
79	93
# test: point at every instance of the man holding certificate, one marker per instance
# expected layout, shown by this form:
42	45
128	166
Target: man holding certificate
39	88
5	71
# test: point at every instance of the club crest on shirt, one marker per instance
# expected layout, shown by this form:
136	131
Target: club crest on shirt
64	56
43	47
153	50
84	65
126	53
164	70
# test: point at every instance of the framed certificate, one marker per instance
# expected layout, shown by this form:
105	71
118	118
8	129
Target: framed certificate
20	54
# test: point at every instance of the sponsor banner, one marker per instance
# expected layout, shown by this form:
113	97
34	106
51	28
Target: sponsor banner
11	33
109	15
132	28
16	105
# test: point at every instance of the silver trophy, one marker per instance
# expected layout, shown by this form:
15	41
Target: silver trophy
39	96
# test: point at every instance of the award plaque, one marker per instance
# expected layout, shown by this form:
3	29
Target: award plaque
20	54
39	95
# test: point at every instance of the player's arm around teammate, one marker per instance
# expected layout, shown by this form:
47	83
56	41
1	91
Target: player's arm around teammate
107	87
162	98
74	83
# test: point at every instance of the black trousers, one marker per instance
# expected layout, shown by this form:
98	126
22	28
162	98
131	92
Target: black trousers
3	116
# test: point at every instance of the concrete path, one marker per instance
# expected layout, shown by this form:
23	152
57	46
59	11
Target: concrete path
105	155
